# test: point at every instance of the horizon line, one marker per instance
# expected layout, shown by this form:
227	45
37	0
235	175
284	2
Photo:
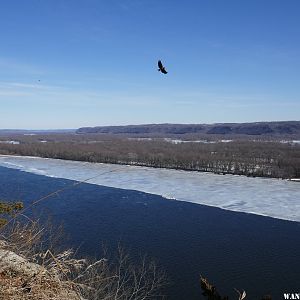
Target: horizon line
141	124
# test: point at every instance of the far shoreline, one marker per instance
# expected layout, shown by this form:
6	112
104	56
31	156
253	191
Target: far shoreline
134	164
227	193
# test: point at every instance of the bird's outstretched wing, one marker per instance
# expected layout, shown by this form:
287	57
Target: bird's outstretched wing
160	65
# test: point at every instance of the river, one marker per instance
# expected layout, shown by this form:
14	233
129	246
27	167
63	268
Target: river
262	196
217	229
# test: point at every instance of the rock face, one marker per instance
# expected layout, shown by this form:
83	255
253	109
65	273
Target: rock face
23	280
13	263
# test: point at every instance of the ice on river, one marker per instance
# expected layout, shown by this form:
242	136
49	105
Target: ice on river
271	197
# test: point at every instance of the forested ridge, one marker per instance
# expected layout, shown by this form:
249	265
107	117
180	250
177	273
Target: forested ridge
263	129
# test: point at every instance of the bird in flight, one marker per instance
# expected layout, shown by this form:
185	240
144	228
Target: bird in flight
161	68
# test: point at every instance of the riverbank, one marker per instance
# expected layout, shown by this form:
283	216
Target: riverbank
238	157
140	164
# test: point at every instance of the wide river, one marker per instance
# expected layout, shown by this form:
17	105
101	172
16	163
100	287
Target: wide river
262	196
216	229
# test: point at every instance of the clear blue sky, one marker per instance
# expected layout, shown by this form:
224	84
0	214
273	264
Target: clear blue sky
71	63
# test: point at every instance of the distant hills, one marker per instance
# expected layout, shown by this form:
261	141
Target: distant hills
34	131
266	129
255	130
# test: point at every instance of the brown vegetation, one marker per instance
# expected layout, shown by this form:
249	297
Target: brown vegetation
242	157
210	292
8	209
33	268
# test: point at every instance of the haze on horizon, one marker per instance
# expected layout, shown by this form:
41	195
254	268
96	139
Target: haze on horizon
90	63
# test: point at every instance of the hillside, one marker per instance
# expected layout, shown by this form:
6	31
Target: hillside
263	129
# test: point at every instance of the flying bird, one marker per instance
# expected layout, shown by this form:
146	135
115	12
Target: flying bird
161	68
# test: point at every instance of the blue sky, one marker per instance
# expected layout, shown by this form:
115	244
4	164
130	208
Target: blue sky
68	64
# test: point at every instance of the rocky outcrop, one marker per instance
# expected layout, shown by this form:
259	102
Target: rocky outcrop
12	263
24	280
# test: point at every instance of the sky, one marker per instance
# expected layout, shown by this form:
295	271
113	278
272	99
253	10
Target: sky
75	63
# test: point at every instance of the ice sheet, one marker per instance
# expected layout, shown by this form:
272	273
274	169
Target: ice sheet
271	197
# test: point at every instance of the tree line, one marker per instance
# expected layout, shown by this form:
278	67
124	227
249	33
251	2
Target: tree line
241	157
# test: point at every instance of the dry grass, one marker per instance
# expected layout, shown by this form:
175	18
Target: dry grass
41	286
61	276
